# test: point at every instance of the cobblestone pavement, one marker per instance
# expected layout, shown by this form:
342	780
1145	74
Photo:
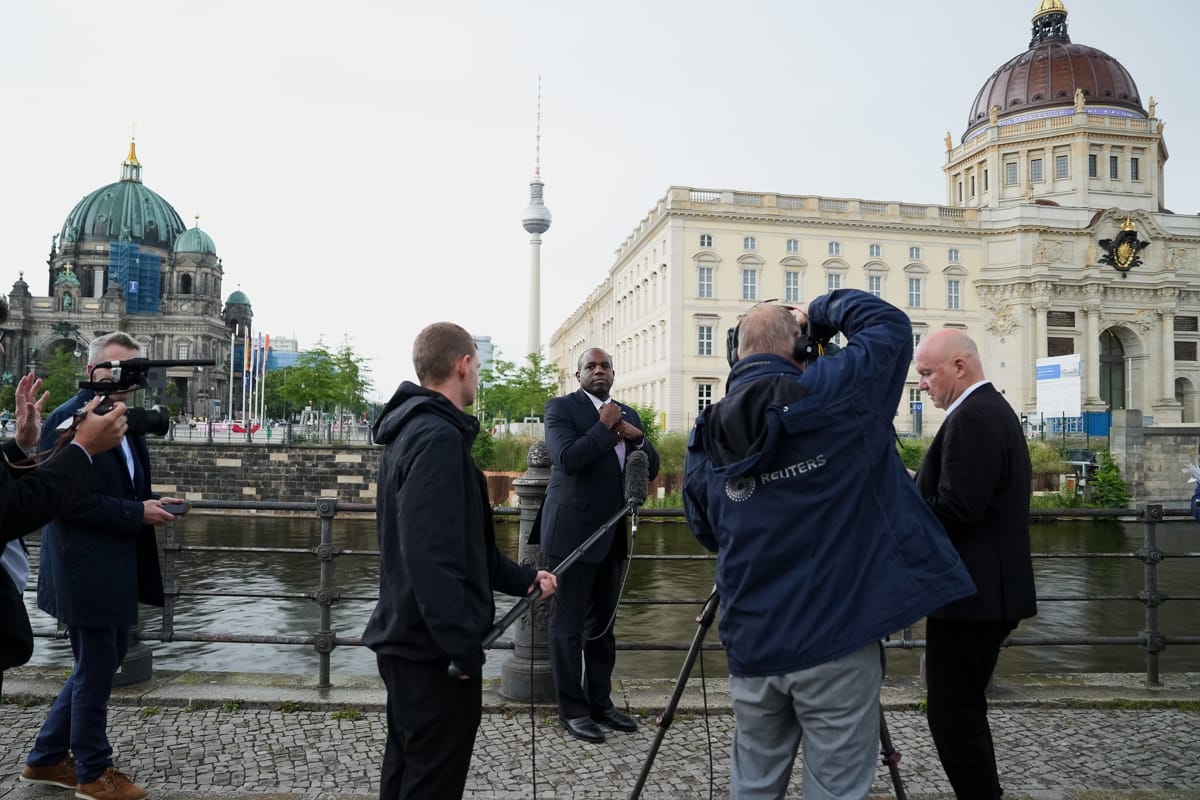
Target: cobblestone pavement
182	753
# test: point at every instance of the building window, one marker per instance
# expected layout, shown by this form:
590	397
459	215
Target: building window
704	276
1061	167
833	281
914	395
1134	170
952	255
749	284
875	285
835	248
972	186
703	396
960	196
791	286
183	352
985	180
916	341
704	340
875	251
953	293
1185	351
1092	165
1035	170
1010	174
749	243
914	292
1060	346
914	254
705	240
793	245
1114	170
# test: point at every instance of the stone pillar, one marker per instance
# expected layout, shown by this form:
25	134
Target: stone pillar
1091	354
525	675
1035	344
1167	360
1126	442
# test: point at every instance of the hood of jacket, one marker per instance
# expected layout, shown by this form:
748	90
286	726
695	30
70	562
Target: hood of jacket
742	431
409	400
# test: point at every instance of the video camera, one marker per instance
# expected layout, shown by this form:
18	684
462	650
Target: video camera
131	374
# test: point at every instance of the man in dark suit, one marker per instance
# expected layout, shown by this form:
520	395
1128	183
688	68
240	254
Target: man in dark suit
30	496
976	477
99	559
588	435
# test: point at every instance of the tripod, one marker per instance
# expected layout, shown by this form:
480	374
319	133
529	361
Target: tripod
890	756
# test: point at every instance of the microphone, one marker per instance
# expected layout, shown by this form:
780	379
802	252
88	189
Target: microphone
637	478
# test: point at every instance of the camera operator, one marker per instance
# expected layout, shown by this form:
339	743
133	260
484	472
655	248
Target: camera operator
30	497
823	545
99	559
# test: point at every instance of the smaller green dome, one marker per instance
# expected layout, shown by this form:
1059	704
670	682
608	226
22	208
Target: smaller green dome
194	240
238	298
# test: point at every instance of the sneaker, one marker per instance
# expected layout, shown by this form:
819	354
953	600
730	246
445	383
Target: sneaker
111	785
61	774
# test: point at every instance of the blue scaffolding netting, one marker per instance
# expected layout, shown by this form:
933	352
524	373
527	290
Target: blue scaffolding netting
138	274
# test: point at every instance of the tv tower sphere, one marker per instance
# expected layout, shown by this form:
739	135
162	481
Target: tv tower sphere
537	216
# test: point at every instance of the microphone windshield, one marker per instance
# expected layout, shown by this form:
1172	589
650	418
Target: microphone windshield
637	477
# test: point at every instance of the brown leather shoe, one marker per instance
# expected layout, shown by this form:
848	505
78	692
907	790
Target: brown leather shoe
111	785
61	774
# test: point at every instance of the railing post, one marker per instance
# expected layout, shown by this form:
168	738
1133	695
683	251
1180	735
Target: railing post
525	675
323	641
1150	555
170	583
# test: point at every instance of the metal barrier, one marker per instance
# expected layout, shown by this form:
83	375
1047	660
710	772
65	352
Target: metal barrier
324	640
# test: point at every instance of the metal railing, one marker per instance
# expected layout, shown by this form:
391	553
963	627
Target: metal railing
323	640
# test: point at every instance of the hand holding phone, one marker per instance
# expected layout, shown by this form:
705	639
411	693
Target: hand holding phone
178	509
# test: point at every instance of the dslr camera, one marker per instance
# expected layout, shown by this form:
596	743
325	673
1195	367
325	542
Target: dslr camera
131	374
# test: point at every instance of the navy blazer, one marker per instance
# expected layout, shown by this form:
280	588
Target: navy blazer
587	485
98	559
976	477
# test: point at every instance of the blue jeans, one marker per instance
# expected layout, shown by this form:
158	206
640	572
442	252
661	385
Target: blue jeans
78	719
836	707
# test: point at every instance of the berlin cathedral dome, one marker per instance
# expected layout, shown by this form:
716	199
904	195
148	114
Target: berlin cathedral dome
1050	72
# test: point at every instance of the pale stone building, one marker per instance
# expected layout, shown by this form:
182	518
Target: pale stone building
1059	171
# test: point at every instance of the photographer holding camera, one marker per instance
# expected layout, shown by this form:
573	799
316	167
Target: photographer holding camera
99	559
823	544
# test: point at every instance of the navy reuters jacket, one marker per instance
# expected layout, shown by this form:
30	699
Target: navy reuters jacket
823	542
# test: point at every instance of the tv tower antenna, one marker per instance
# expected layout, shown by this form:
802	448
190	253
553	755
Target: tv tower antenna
536	221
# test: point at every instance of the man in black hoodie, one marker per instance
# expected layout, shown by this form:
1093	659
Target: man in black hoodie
438	567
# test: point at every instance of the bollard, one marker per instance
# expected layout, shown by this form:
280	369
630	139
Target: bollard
525	675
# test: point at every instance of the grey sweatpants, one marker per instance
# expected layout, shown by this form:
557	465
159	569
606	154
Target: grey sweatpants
836	707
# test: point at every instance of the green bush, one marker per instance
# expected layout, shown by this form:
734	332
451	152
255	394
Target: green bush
1046	458
649	419
912	451
671	450
510	453
1108	490
1055	500
483	450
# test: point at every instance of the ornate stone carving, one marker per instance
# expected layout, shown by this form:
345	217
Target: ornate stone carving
1002	321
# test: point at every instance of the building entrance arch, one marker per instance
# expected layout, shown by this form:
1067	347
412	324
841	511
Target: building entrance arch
1122	369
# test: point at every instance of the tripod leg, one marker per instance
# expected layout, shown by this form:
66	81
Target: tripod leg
664	720
891	756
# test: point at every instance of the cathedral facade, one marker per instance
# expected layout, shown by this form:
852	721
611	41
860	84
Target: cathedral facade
1053	241
124	260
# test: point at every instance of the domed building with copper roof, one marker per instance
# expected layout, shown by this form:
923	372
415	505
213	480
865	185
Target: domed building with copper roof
1054	247
124	260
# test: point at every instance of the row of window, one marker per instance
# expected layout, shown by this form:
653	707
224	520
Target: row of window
835	248
833	280
1062	170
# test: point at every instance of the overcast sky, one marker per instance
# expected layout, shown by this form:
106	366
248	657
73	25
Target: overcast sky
362	167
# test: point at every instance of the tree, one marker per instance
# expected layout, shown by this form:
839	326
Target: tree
1108	490
507	391
650	420
329	382
63	374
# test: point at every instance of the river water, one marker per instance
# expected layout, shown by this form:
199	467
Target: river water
218	576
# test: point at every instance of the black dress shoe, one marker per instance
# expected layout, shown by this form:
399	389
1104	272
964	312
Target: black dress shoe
583	728
617	720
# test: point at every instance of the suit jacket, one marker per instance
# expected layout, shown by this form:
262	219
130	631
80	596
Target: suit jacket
29	498
587	485
98	559
976	476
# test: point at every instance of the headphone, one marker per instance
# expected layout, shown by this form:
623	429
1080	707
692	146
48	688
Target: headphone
806	349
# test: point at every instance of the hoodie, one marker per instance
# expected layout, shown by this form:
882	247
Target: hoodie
437	543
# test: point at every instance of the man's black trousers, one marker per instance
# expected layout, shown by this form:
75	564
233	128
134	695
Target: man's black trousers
432	720
960	656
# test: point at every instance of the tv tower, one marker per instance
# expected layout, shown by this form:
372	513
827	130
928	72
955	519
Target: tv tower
536	221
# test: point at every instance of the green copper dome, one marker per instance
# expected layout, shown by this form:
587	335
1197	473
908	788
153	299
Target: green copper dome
238	298
126	211
194	240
